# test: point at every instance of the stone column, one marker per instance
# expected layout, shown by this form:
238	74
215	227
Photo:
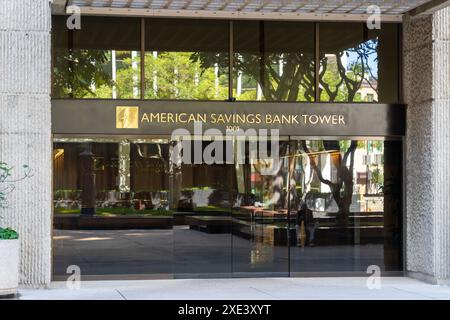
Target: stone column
427	94
25	129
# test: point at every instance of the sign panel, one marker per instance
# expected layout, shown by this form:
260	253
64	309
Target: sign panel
141	117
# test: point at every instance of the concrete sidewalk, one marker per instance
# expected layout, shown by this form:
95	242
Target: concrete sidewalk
241	289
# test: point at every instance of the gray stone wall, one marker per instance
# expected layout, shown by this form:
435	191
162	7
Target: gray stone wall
25	129
427	94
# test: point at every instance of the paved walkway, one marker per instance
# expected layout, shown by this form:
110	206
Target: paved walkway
241	289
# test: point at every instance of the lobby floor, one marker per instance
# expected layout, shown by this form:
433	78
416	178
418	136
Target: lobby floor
392	288
185	251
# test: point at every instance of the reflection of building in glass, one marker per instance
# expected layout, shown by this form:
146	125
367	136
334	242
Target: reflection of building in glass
368	90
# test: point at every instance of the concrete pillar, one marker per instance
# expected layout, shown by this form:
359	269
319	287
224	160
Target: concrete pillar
427	94
25	129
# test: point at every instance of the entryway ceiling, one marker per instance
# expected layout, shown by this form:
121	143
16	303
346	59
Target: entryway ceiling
270	9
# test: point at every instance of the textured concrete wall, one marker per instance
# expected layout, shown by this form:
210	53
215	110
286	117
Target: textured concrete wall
427	93
25	129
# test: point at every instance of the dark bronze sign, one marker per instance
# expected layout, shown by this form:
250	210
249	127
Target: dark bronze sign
128	117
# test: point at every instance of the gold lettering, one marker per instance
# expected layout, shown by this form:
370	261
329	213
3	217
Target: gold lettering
276	119
240	118
228	117
145	117
325	118
154	116
201	117
315	117
182	117
243	118
191	118
334	119
294	118
220	118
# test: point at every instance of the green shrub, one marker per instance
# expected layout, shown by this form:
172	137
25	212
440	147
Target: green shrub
8	234
7	185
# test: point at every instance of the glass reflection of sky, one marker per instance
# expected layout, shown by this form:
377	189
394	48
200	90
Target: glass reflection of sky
372	59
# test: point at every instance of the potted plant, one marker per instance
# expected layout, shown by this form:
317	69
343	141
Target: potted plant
9	239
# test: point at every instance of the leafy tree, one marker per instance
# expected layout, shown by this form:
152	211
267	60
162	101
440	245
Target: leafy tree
295	83
179	75
377	176
341	83
75	71
342	188
126	84
192	75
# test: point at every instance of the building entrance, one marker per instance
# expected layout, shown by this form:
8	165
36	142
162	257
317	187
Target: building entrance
139	207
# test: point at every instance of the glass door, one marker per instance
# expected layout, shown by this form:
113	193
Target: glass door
202	215
347	205
113	214
260	212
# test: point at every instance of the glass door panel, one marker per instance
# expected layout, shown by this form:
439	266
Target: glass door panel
111	211
348	205
260	214
202	230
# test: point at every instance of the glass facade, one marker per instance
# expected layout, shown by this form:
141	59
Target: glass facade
189	59
274	61
353	59
101	60
186	59
124	206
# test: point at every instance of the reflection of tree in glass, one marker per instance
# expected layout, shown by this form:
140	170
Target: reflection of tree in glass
127	76
294	83
272	186
342	83
126	83
343	160
88	74
75	72
201	75
377	175
179	75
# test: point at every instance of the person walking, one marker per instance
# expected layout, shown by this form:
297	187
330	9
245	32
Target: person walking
305	226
